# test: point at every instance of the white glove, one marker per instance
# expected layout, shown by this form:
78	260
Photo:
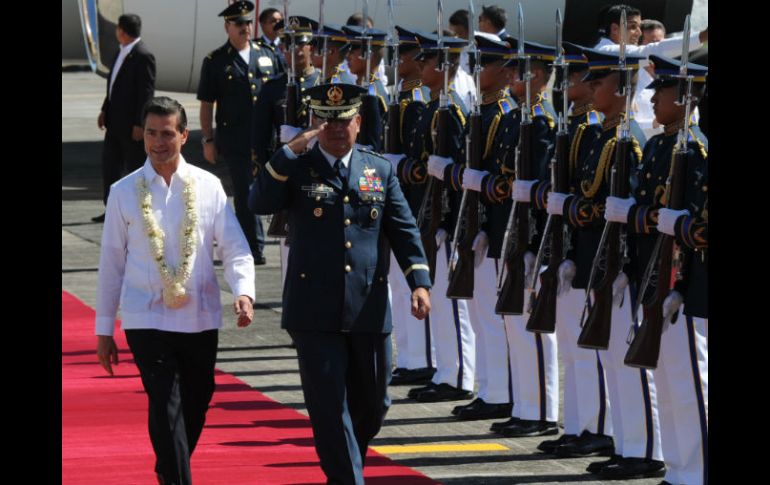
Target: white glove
436	166
619	288
555	205
472	179
667	220
394	158
480	245
522	189
529	265
441	236
617	209
288	133
670	308
567	270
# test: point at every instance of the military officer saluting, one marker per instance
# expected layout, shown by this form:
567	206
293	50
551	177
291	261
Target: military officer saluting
342	201
232	77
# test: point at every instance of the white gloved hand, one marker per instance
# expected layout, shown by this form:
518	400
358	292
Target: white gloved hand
619	288
555	205
522	189
441	236
567	270
288	132
472	179
436	166
617	209
671	308
480	245
529	266
394	158
667	220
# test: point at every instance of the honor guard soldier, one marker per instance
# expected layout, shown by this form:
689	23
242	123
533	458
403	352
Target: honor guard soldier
415	353
450	325
586	412
633	408
232	77
367	54
499	132
344	205
681	375
332	43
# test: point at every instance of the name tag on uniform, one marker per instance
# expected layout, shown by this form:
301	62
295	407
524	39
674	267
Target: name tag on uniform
265	61
317	190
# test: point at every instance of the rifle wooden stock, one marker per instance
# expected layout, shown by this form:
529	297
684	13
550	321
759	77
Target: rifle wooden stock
543	316
645	347
596	331
511	299
461	281
279	224
393	129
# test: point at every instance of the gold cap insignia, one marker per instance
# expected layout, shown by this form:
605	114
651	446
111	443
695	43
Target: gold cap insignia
335	96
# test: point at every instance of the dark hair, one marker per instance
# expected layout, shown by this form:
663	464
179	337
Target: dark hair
268	12
358	19
611	15
131	24
165	106
460	17
650	24
496	15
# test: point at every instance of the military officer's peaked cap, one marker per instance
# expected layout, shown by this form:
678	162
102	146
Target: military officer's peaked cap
667	72
491	47
602	64
535	51
303	28
334	34
239	10
429	44
338	101
355	32
573	56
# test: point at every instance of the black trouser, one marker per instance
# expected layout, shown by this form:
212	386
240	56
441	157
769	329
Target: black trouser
345	379
241	175
119	151
177	372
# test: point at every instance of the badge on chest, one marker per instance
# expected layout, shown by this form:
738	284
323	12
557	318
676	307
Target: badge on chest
317	191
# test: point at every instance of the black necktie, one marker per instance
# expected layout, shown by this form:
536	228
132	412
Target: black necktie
342	171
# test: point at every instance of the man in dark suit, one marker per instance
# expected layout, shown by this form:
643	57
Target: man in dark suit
345	210
130	85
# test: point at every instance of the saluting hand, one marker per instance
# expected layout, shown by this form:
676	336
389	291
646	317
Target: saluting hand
107	352
299	143
244	308
420	303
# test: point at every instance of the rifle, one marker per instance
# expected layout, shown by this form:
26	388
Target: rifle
393	125
645	347
462	267
325	44
369	110
542	318
510	299
611	253
279	223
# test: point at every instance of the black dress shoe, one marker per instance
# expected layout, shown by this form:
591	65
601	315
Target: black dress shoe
98	218
397	371
527	427
412	394
485	410
413	376
597	466
443	392
476	402
665	483
548	446
259	260
633	468
587	444
496	427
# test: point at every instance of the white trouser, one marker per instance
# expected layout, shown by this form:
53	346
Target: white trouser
682	381
634	409
450	326
534	369
412	336
492	370
586	406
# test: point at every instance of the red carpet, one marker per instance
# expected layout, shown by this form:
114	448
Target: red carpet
248	438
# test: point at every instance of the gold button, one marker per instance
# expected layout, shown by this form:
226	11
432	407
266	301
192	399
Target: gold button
382	278
643	192
302	275
229	77
318	198
346	199
251	75
302	79
347	222
705	188
653	159
649	175
348	244
591	152
254	99
348	269
253	87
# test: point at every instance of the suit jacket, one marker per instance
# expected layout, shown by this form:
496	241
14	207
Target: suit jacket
134	86
337	276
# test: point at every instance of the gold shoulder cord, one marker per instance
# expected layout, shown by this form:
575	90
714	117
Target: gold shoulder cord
402	109
459	114
573	151
491	135
602	171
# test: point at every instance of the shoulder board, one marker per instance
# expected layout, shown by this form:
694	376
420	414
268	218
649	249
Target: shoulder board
372	89
417	94
593	118
539	110
505	105
370	152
